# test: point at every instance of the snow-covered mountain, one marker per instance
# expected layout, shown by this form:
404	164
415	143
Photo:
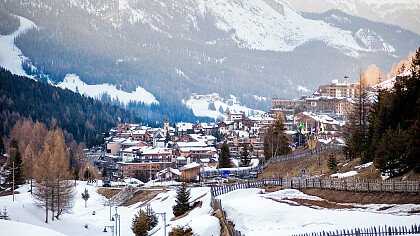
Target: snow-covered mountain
174	48
404	13
212	105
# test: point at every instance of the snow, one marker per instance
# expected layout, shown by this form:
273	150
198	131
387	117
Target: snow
344	175
256	24
303	89
270	214
72	223
10	228
11	56
200	103
268	217
73	82
366	165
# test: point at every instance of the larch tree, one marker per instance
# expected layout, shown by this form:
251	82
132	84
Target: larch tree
44	182
54	191
276	142
356	130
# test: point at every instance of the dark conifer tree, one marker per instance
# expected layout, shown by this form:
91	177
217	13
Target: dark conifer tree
182	200
245	159
141	224
104	172
224	158
332	162
16	161
1	145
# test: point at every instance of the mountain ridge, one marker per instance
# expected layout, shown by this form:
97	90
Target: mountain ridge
101	45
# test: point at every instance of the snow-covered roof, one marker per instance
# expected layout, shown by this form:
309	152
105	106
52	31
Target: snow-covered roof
191	144
196	149
157	150
174	171
190	166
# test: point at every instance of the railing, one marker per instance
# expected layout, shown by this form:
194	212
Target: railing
217	204
355	185
373	231
327	147
234	171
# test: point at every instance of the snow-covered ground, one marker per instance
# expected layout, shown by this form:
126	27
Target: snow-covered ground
252	211
11	56
74	83
200	106
23	210
262	214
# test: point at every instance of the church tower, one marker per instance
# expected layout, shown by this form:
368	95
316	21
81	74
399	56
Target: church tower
166	125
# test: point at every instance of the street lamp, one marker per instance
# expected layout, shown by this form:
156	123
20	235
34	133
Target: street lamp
117	223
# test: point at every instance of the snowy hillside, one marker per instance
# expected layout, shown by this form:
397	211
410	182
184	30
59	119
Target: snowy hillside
200	106
23	210
276	212
271	213
10	56
74	83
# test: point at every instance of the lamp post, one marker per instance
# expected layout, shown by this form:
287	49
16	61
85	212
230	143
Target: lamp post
164	222
13	179
117	223
110	205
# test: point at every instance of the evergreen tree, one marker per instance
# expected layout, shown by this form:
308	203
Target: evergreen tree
275	140
211	106
16	161
332	162
152	216
104	172
1	146
224	158
141	224
4	215
245	159
85	196
182	200
181	231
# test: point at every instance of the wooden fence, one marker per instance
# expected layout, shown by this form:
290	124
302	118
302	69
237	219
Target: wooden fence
319	149
373	231
344	184
217	204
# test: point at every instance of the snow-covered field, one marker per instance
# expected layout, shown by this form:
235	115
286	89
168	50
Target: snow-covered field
253	212
23	210
261	214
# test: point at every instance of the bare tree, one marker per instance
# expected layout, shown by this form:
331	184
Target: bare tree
54	190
